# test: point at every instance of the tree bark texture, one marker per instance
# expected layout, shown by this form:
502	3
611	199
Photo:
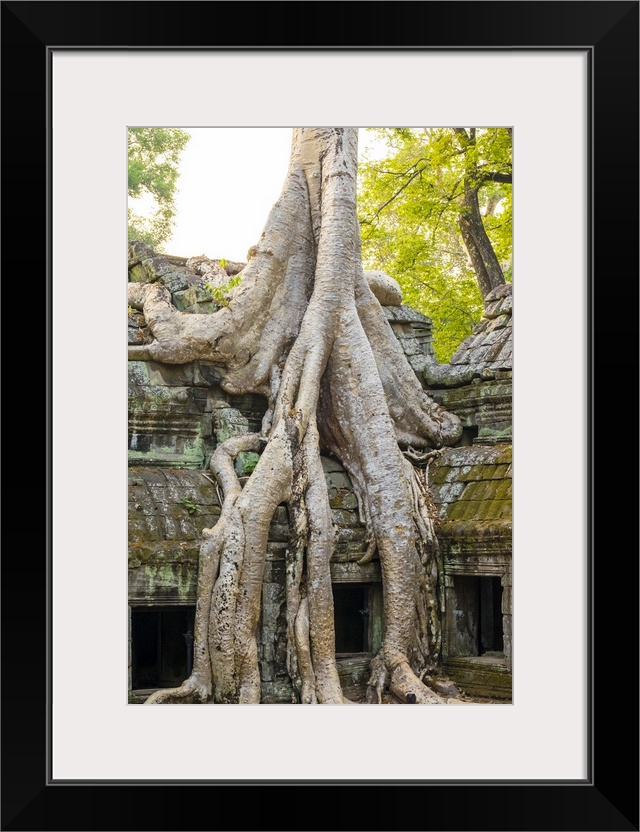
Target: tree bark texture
483	258
474	236
304	329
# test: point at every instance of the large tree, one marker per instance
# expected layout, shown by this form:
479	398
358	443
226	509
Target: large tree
305	329
154	157
435	211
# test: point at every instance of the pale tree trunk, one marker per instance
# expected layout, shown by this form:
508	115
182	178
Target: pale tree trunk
304	329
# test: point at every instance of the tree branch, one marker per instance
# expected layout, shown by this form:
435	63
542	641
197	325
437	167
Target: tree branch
494	176
398	192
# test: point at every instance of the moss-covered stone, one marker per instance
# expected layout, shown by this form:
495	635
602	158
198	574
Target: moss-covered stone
479	678
138	274
457	511
473	491
245	463
172	582
500	472
474	473
190	296
438	474
202	308
503	490
489	472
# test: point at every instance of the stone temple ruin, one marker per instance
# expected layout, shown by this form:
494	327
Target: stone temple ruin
178	414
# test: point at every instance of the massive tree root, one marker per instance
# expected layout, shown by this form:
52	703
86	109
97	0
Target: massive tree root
304	329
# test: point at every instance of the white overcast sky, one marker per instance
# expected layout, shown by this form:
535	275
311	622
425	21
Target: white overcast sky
229	180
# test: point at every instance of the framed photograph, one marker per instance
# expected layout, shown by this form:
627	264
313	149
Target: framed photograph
563	77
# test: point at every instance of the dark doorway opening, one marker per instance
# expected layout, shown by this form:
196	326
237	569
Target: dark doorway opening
490	638
161	646
474	616
469	434
351	611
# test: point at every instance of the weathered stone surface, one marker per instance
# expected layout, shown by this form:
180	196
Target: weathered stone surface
507	636
476	384
276	550
202	308
168	419
451	491
346	534
349	550
171	583
280	515
158	269
345	519
206	375
405	314
483	404
272	633
354	675
252	407
135	335
277	692
162	375
168	510
343	499
472	494
203	265
472	537
356	573
278	534
274	573
507	600
190	296
474	677
329	464
338	480
490	343
480	562
414	331
384	287
228	421
138	251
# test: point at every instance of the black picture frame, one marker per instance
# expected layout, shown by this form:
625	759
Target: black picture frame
608	798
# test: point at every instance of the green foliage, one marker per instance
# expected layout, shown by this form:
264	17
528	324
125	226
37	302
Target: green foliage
189	505
154	156
249	463
408	205
220	294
